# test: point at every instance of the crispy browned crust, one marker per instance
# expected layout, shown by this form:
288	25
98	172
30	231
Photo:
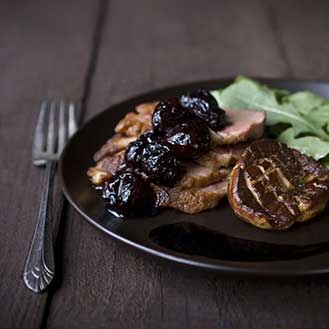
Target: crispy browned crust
304	190
111	163
105	168
127	130
222	156
114	145
239	210
192	179
98	176
146	108
133	124
192	200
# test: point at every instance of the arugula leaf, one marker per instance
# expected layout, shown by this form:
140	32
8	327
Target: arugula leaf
312	106
325	161
310	145
305	114
245	93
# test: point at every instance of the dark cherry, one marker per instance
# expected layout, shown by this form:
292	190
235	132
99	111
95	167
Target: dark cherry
149	137
127	194
205	106
159	164
153	159
167	114
135	150
189	140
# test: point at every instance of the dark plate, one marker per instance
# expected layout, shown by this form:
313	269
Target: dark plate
223	243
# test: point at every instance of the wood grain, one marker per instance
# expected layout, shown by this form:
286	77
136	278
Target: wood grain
110	285
101	52
299	28
45	49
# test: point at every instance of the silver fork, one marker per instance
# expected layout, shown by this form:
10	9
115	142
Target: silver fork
49	141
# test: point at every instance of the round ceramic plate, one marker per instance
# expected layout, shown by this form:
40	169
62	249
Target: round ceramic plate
213	239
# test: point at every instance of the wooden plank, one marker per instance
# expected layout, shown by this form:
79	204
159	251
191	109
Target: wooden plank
149	45
177	41
154	44
300	31
45	50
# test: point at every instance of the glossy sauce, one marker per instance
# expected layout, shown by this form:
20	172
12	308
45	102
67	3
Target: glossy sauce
194	239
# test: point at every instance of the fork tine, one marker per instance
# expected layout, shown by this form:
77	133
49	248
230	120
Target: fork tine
72	120
62	128
38	144
51	129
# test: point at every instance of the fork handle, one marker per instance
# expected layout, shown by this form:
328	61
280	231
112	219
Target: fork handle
40	264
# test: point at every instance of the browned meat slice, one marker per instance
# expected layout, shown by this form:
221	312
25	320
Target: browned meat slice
105	168
98	176
198	176
199	189
146	108
111	163
195	175
127	130
273	186
134	124
114	145
196	191
243	125
222	156
204	172
193	200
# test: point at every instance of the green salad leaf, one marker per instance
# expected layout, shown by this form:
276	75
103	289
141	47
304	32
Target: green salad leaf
304	115
310	145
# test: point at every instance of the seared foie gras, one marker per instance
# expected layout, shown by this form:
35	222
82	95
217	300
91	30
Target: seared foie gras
273	186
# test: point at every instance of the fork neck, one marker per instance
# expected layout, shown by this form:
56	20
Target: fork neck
50	170
51	164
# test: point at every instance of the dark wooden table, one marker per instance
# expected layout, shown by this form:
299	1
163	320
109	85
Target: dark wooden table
101	52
